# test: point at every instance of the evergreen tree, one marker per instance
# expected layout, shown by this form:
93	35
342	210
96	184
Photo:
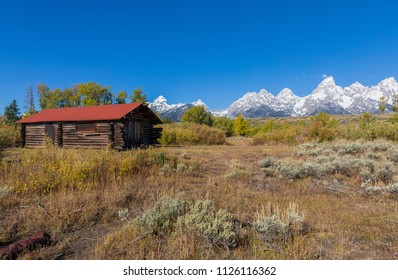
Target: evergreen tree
11	113
241	126
197	114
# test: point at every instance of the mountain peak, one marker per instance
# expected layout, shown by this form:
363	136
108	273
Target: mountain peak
263	92
199	102
328	81
357	84
159	100
327	97
388	82
285	92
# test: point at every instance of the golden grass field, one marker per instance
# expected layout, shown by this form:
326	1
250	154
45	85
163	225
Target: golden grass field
106	205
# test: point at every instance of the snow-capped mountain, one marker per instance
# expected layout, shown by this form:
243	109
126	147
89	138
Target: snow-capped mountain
286	100
200	103
173	111
366	99
326	97
253	104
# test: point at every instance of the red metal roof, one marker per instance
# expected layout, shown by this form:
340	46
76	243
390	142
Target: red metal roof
81	114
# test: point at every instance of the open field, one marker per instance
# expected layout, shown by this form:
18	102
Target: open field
335	200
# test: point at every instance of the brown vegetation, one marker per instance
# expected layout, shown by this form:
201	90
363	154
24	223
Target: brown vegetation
204	202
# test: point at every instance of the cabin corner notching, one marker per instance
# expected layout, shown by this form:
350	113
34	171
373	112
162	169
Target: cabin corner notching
122	126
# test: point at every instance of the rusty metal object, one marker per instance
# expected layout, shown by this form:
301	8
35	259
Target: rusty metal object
11	251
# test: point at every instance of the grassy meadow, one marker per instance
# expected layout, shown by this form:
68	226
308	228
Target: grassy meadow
297	188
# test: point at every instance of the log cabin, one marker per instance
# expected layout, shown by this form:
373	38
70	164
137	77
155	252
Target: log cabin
121	126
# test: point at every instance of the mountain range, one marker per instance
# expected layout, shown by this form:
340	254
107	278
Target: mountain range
326	97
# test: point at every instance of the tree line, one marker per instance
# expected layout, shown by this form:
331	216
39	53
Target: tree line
198	114
85	94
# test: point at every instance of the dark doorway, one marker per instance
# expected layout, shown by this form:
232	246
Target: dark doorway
50	131
132	134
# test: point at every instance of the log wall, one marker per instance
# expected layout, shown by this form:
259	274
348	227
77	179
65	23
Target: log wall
34	135
73	139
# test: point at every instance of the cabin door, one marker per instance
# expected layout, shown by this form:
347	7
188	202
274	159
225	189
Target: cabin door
50	131
133	134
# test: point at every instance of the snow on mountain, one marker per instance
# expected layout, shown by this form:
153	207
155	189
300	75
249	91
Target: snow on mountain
253	104
285	101
367	100
355	89
173	111
386	87
200	103
326	97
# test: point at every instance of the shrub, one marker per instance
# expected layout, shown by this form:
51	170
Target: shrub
225	124
198	115
349	149
370	189
379	147
191	134
9	136
298	169
268	162
323	127
394	118
385	174
181	167
392	155
48	170
219	228
366	120
124	214
271	227
275	131
6	191
238	169
275	225
162	216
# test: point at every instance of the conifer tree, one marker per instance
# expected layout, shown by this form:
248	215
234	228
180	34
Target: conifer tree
11	113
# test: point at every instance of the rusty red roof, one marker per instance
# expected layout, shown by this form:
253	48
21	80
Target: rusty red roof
81	114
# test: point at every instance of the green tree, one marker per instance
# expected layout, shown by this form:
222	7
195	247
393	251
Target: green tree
69	98
197	114
138	96
121	97
382	104
241	126
94	94
47	98
225	124
394	102
11	113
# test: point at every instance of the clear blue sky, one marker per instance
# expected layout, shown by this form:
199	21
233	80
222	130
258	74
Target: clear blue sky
185	50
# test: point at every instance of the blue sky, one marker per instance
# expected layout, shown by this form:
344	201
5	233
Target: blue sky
186	50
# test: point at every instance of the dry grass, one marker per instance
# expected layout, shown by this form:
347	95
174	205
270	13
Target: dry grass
343	221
